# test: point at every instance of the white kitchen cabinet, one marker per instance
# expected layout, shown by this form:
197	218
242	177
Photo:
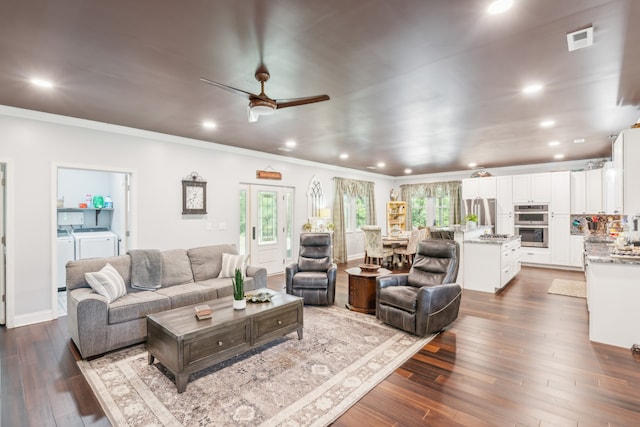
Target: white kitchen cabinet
626	157
504	195
479	188
577	252
560	239
489	267
578	192
593	195
504	224
532	188
535	255
560	192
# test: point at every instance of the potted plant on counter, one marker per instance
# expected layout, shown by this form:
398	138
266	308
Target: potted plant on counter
472	221
239	303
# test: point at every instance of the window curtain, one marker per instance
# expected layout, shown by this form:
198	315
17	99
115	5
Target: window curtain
434	189
353	188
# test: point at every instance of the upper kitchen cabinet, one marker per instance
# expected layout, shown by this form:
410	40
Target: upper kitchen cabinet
504	195
578	192
479	188
593	193
532	188
626	157
560	192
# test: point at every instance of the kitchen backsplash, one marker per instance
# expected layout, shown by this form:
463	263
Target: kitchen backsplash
597	225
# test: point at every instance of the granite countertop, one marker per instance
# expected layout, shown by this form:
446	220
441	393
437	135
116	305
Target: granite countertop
601	252
492	241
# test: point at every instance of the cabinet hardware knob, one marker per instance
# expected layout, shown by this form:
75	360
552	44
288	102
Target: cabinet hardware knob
279	322
219	343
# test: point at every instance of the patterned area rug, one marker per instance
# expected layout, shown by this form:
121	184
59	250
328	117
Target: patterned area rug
289	382
571	288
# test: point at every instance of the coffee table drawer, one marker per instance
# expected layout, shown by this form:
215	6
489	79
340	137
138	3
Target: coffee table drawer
214	344
277	322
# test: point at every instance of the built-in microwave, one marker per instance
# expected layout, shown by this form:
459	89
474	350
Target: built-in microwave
531	214
536	236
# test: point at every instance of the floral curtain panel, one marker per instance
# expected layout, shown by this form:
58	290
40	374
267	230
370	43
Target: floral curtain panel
353	188
434	189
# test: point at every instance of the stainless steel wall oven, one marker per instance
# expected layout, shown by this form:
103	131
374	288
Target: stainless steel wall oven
532	224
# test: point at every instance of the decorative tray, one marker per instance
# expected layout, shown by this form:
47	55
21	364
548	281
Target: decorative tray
259	296
369	268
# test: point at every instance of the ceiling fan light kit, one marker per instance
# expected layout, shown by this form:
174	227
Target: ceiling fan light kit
262	105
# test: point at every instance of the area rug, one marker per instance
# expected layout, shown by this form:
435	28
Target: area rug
572	288
289	382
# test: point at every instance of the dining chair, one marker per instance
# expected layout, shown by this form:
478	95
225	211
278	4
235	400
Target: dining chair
375	251
424	234
409	250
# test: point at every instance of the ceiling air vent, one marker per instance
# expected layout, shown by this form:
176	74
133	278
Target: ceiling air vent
580	38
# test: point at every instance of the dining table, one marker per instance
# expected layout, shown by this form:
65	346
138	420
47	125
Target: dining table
396	241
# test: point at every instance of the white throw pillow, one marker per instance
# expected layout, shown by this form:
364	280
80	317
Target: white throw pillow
231	262
107	282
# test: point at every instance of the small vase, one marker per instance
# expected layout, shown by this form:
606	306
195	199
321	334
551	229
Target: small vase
239	304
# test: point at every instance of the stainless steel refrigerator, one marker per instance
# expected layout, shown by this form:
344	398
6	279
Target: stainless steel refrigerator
484	209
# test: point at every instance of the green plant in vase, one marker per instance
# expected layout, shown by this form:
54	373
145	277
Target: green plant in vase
471	220
238	291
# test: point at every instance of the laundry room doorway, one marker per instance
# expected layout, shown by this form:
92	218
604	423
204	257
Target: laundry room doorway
92	219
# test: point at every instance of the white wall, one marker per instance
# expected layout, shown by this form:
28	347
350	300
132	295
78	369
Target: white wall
36	144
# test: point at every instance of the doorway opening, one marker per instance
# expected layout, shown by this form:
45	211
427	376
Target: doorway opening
92	220
266	225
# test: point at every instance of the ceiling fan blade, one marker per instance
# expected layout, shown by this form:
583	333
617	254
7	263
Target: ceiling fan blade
240	92
284	103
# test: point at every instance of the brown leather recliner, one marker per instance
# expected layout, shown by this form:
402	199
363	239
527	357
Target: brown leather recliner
425	300
313	277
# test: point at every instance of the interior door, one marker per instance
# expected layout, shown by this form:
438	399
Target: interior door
2	247
270	227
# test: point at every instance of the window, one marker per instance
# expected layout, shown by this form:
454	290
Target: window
267	217
242	244
355	212
431	211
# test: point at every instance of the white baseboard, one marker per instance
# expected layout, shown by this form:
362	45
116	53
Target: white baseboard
351	257
31	318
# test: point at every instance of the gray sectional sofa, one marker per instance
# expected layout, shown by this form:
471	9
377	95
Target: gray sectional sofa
188	277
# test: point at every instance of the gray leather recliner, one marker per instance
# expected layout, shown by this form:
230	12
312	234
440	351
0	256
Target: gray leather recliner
313	277
425	300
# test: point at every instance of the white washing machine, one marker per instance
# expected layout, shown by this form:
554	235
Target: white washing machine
66	253
95	242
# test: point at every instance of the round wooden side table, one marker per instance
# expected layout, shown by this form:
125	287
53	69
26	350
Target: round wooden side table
362	289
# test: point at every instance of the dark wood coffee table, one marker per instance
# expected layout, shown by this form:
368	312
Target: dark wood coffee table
362	289
184	344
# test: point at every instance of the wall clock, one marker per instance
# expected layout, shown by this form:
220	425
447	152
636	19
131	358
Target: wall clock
194	197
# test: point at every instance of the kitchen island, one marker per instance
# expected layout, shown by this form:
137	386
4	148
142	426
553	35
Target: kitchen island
613	295
491	262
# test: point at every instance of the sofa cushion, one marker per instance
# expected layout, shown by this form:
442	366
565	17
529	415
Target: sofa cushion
76	269
176	268
187	294
310	280
229	264
223	287
107	282
206	261
402	297
136	305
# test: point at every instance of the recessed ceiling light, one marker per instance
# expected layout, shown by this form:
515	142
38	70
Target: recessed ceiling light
290	143
558	156
473	165
380	164
499	6
532	89
42	83
554	143
408	171
579	141
547	123
208	125
344	156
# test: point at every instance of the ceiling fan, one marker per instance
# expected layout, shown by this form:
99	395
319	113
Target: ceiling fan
262	105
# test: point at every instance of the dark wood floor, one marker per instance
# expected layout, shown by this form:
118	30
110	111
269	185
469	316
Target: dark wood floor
520	358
